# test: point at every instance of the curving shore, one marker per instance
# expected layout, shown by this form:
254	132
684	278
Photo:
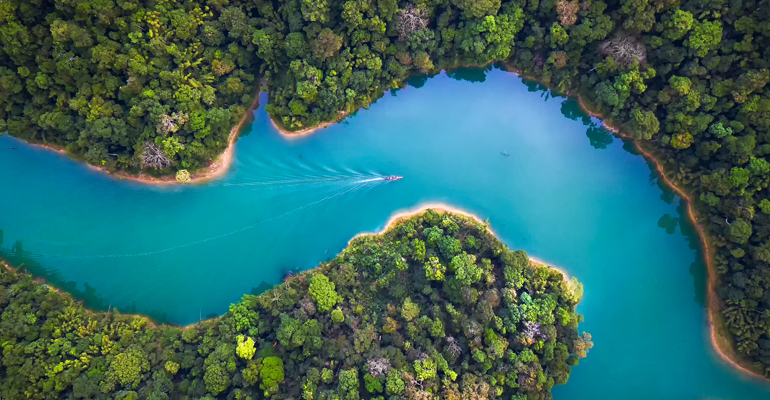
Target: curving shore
307	131
720	342
215	170
42	281
399	216
395	218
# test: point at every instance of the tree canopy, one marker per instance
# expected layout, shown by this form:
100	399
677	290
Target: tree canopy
510	332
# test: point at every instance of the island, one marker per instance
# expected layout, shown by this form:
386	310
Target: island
155	87
433	306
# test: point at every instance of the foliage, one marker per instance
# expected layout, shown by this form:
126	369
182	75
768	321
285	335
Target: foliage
183	176
323	293
54	348
127	86
245	347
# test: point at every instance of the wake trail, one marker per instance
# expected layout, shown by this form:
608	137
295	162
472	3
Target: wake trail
359	185
296	181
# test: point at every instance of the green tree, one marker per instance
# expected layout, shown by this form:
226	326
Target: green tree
271	375
245	347
323	293
705	36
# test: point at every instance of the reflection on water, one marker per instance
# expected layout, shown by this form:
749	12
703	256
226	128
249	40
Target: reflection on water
569	193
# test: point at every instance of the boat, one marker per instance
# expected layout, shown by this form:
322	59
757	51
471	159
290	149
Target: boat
392	178
505	153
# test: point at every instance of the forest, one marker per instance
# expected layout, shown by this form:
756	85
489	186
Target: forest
157	85
435	306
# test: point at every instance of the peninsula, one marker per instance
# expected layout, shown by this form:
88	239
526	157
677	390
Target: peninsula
156	87
434	305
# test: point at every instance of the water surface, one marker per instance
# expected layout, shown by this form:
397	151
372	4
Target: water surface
568	194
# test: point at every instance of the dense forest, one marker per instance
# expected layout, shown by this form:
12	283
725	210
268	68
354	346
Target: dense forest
436	306
157	85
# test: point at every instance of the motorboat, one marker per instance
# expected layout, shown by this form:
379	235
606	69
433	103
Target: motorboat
392	178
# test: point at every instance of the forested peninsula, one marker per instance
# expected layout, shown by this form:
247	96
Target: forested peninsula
434	306
156	86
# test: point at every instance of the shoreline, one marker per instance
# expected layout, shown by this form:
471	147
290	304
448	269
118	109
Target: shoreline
307	131
398	216
215	170
66	295
393	219
721	344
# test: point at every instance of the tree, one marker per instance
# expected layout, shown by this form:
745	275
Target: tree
295	45
434	271
183	176
558	37
323	293
677	25
271	375
465	269
705	36
409	310
315	10
337	316
410	20
348	384
644	124
326	44
245	347
738	231
478	9
216	379
624	49
126	369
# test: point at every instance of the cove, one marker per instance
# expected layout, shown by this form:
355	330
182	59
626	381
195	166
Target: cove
569	194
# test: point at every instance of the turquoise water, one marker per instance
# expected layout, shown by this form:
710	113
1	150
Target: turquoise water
568	194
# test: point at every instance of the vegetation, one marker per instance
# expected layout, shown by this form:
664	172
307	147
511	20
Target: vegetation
156	84
510	331
127	85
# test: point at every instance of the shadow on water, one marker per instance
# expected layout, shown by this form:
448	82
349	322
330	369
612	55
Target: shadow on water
19	258
600	138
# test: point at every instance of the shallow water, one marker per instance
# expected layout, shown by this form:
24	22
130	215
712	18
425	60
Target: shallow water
568	194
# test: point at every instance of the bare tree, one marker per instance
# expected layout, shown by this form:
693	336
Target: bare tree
624	49
153	157
411	20
378	367
532	330
454	347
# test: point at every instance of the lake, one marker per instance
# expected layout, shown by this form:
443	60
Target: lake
567	192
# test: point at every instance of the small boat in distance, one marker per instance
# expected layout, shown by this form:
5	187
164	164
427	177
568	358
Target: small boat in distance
392	178
505	153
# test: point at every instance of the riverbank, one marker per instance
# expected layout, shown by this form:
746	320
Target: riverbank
67	296
719	334
403	215
307	131
215	170
396	218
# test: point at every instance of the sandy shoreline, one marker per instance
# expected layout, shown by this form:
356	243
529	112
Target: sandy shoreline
215	170
440	207
395	218
307	131
722	345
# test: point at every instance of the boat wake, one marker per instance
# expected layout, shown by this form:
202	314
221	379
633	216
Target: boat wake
358	185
